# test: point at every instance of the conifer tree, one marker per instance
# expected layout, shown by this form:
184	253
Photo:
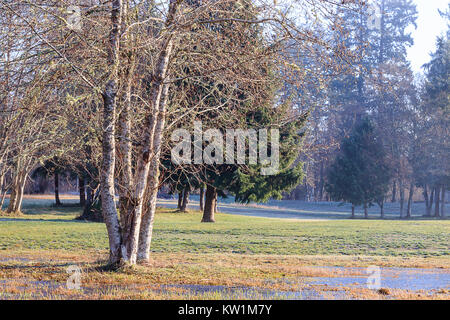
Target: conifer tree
360	175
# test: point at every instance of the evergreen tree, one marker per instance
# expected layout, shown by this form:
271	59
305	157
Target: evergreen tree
436	107
248	185
360	174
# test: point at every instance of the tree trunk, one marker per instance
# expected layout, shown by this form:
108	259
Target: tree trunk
353	211
3	191
88	202
426	199
430	208
180	200
146	231
57	200
108	138
402	198
2	180
394	192
81	188
16	197
159	95
216	204
19	198
202	198
91	209
125	177
185	202
437	200
3	197
381	204
444	189
366	213
322	181
107	174
410	199
210	204
12	199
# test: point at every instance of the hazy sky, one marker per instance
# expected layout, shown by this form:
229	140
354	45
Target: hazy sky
429	26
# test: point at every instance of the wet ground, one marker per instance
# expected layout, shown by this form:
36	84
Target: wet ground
425	281
393	278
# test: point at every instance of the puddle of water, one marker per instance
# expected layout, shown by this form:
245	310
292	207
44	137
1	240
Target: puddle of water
15	259
46	289
255	293
393	278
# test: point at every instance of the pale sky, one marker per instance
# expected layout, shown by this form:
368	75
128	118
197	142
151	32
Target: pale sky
429	26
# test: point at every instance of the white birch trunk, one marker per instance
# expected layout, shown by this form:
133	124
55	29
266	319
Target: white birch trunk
146	231
108	142
159	93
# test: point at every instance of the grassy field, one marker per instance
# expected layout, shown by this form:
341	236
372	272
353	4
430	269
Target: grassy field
235	251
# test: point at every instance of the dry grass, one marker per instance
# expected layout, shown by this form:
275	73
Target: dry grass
10	214
280	273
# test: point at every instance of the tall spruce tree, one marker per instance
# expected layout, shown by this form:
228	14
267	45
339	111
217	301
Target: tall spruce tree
360	174
382	83
437	109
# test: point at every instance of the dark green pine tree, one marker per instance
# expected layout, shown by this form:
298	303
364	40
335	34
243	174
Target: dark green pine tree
360	175
394	36
247	184
438	75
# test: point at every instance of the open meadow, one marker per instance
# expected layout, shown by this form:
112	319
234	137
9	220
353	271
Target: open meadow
237	257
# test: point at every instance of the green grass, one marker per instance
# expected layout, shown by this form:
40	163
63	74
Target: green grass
236	251
44	228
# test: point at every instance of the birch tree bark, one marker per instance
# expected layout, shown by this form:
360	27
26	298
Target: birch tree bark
108	142
148	168
146	230
2	180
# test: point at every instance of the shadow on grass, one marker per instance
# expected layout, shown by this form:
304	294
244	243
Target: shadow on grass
6	219
100	266
35	266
